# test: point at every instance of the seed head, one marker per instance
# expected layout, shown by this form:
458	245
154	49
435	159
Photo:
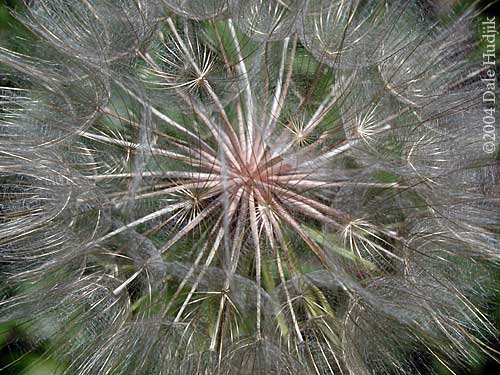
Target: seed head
247	187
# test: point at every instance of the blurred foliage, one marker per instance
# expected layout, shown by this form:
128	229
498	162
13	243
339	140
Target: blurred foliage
12	34
20	355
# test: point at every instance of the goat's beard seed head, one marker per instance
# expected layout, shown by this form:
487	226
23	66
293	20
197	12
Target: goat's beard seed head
247	187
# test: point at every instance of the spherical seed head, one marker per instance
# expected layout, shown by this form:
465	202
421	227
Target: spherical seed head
247	187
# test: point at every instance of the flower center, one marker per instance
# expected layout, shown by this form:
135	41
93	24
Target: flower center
252	176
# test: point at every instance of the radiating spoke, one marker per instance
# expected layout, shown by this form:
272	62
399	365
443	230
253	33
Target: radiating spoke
192	224
196	176
242	68
269	230
233	264
258	261
317	250
142	220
